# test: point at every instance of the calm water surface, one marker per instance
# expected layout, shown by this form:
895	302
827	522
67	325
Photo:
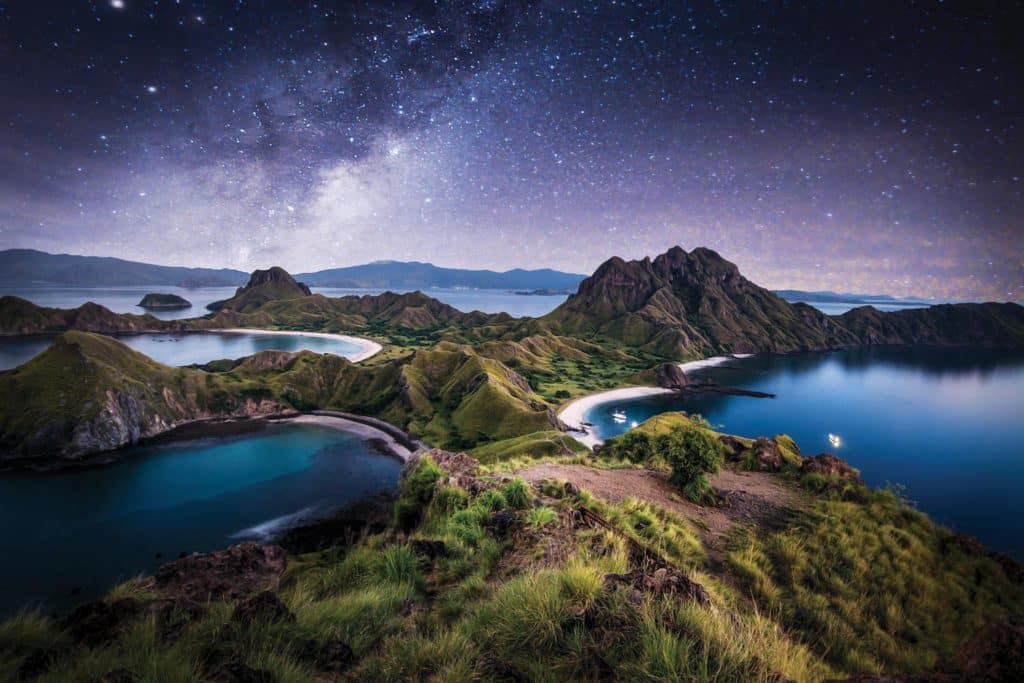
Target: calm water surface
125	299
946	423
185	349
90	528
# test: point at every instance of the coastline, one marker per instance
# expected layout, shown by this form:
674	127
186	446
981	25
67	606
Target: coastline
368	347
361	429
574	412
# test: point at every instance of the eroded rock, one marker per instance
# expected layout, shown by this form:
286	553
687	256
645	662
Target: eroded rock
225	574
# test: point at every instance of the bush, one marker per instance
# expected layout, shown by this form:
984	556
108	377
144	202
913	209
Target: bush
517	494
562	393
422	481
634	446
420	486
691	453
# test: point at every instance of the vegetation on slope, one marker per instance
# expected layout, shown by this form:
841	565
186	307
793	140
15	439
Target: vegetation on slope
494	579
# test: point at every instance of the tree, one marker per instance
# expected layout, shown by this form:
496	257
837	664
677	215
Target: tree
692	453
635	446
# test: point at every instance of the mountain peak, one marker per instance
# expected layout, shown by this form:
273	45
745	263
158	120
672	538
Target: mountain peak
274	275
264	285
688	304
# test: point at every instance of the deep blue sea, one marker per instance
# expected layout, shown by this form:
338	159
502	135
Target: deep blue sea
125	299
946	423
87	529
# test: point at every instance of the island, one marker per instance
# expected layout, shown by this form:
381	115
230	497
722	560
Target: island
163	302
517	546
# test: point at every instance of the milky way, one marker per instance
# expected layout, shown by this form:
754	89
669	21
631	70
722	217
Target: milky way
818	146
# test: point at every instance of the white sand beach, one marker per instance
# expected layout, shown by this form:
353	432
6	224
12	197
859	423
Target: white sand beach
368	348
358	428
574	414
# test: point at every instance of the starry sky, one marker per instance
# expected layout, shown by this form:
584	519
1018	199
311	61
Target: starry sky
847	146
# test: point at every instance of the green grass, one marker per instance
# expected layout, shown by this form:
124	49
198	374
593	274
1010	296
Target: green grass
871	587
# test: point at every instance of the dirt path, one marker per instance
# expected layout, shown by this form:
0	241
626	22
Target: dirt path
748	497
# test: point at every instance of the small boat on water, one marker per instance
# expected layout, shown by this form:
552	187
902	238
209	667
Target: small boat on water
835	440
619	416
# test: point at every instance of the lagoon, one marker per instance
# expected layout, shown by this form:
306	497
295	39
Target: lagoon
948	424
84	530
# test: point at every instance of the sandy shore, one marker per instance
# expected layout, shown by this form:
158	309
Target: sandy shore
574	414
357	428
367	347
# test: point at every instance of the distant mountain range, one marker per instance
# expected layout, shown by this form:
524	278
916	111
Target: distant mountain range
26	266
416	275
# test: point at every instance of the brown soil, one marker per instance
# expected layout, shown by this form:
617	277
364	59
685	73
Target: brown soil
756	498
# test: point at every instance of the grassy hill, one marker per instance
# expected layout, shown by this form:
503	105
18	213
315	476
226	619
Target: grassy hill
482	577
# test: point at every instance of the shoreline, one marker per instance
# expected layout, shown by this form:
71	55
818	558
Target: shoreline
368	347
367	432
574	412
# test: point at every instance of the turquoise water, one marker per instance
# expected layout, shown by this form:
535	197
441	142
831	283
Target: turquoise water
87	529
124	299
946	423
185	349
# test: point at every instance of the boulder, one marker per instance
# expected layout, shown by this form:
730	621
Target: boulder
264	606
670	376
734	448
225	574
829	465
767	456
98	622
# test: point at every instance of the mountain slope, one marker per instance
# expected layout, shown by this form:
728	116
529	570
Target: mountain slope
89	393
22	266
416	275
273	284
690	305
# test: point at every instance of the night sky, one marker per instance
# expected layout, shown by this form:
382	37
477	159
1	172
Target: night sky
844	146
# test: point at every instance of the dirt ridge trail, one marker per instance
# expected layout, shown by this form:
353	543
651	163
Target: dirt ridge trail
755	498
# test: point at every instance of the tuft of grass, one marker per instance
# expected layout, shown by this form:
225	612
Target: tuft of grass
541	516
517	494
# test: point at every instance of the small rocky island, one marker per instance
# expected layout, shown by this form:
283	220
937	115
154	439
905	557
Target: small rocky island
157	301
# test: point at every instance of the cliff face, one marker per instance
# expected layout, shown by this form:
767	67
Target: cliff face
694	304
89	393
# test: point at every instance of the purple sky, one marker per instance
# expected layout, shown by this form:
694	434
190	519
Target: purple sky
856	148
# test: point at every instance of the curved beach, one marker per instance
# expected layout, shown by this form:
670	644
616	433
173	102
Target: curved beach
368	348
575	412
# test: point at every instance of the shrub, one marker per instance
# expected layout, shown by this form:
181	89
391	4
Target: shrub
517	494
691	453
492	499
562	393
420	486
634	446
421	481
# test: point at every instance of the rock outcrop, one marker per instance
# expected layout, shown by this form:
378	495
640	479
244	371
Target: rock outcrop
273	284
225	574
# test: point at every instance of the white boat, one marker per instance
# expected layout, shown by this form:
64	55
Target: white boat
619	416
835	440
